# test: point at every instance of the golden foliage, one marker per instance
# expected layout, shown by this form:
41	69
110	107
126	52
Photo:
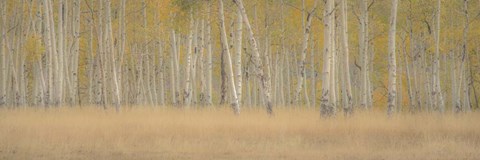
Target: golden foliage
34	48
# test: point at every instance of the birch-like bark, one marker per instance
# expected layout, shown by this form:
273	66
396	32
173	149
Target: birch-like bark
61	52
74	96
348	106
264	79
392	67
238	58
172	68
437	90
209	58
50	49
327	109
306	37
464	58
3	69
113	62
408	77
364	53
201	63
226	48
188	91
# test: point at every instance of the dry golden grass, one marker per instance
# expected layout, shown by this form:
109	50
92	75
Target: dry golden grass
149	133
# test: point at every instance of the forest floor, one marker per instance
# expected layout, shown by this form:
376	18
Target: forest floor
155	133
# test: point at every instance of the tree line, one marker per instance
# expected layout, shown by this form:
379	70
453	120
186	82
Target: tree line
338	55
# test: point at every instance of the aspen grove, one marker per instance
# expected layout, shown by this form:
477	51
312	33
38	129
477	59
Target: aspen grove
338	56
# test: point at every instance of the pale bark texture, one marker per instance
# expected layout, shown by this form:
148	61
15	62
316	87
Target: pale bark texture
306	36
327	108
348	106
264	79
392	64
235	104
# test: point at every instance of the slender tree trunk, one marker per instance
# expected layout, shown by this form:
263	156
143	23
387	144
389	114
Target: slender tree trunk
113	62
392	67
348	106
238	53
3	54
411	98
173	60
61	52
306	36
327	108
209	58
256	59
437	90
235	104
364	53
188	90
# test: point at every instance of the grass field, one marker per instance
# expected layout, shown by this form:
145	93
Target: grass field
153	133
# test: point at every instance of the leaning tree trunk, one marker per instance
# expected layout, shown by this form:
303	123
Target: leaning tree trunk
235	105
392	67
306	36
256	59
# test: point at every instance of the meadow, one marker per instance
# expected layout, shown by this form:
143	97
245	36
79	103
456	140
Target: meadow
215	133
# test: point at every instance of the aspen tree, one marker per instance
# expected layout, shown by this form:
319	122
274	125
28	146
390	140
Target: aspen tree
188	90
392	66
235	104
238	54
348	106
209	57
3	54
306	36
113	62
363	44
264	79
327	108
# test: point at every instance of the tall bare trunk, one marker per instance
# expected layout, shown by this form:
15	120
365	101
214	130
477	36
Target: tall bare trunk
306	36
392	64
3	69
188	90
348	106
238	53
437	90
235	104
209	58
327	108
364	43
256	59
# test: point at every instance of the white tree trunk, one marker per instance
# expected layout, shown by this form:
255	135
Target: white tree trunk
3	54
238	53
265	85
188	91
113	62
364	53
327	109
235	104
348	106
392	67
60	52
209	59
306	37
